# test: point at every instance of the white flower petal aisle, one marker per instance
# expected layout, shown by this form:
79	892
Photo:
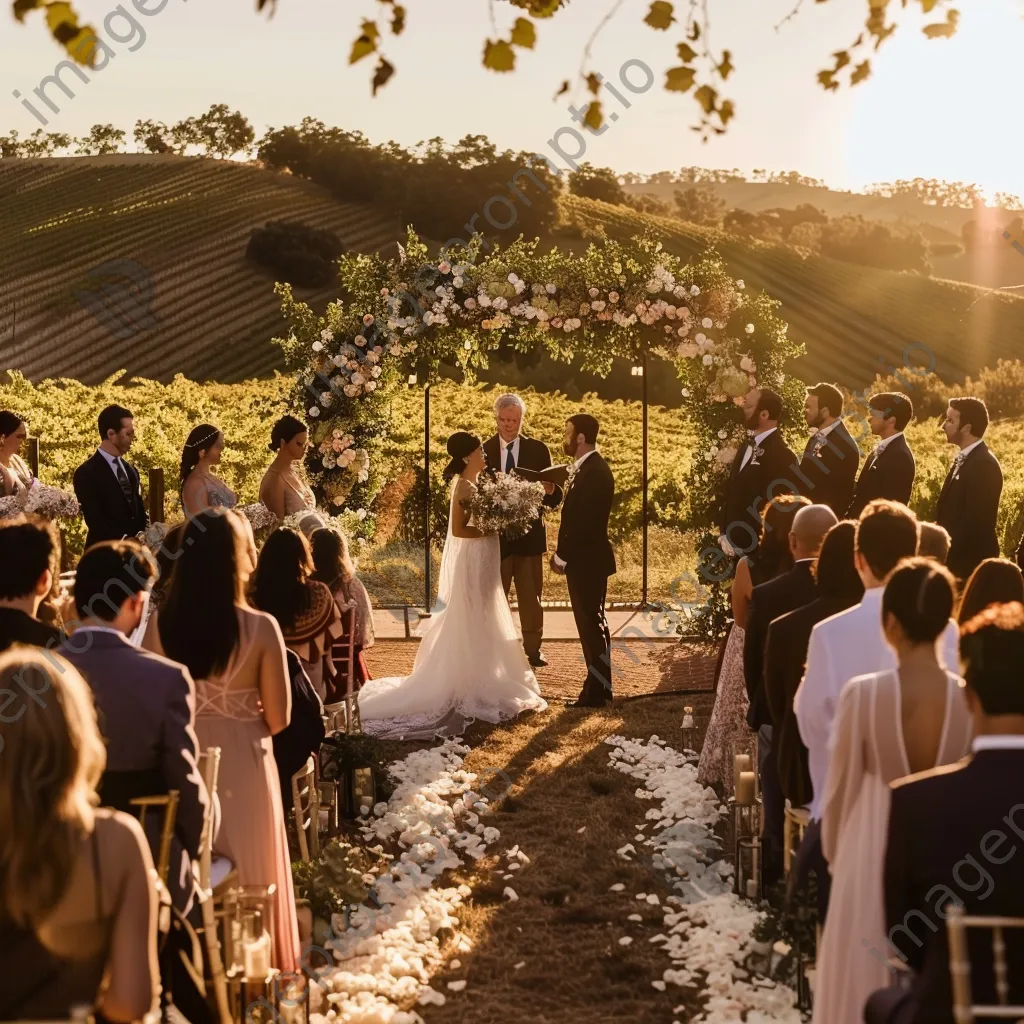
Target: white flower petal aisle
707	927
386	957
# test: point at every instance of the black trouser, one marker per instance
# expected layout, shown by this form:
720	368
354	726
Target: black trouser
588	587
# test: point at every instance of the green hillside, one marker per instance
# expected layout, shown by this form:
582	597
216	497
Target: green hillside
854	320
186	222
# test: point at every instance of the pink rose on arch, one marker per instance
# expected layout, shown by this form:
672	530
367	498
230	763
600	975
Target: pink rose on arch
613	296
368	319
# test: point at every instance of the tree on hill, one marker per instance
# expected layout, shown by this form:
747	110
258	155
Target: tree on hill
596	183
709	176
223	133
296	253
930	191
699	205
647	202
102	140
1008	201
153	136
698	69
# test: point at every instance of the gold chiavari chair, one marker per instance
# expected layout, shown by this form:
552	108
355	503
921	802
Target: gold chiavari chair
306	810
209	768
169	803
794	826
343	656
965	1011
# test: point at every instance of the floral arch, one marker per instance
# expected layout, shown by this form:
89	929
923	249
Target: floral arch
400	319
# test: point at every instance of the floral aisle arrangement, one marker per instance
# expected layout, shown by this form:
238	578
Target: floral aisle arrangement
401	319
41	500
502	503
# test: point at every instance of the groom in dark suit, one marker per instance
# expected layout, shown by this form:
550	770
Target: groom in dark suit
522	559
107	487
763	468
585	554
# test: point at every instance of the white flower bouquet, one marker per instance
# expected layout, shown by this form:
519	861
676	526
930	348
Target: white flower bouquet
10	507
153	536
504	504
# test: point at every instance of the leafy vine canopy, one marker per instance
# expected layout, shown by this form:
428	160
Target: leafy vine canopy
399	320
700	70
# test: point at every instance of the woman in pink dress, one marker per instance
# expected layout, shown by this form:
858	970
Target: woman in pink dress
888	725
237	658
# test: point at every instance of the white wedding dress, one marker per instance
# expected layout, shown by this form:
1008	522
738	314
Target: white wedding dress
470	665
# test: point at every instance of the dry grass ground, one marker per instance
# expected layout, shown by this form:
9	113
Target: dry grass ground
554	954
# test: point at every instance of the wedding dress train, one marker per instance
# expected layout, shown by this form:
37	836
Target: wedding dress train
471	662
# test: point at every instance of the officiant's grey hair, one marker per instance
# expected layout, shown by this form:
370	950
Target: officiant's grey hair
504	401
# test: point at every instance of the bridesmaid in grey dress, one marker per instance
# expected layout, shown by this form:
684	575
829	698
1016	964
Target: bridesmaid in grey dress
200	489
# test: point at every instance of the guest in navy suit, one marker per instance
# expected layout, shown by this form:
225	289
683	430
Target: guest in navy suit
889	470
828	467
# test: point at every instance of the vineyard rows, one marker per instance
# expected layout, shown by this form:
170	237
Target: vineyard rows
851	319
187	223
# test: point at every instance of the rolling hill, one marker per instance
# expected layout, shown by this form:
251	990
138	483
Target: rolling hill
173	231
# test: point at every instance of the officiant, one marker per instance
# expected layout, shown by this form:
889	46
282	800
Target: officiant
522	560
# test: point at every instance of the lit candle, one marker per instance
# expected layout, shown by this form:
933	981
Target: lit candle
257	958
752	888
745	790
740	763
412	378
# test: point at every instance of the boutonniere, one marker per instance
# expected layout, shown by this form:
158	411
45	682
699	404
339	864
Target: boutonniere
573	470
755	454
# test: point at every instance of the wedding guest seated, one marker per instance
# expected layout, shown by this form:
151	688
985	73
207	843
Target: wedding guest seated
304	733
15	475
853	643
727	733
237	658
283	586
335	569
933	542
888	724
146	704
838	588
78	902
953	835
791	590
995	581
26	557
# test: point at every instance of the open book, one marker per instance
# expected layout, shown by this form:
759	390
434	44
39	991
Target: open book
556	475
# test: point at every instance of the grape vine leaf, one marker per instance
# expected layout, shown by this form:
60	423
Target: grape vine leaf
661	15
524	34
679	79
499	56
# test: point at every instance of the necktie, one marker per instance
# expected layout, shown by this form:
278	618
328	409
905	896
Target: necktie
510	462
122	479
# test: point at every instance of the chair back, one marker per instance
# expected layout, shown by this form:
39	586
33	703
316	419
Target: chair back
343	655
169	803
964	1009
306	810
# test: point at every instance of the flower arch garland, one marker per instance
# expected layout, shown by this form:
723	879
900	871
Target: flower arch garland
400	319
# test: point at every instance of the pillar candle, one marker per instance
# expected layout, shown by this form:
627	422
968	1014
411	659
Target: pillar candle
745	789
740	763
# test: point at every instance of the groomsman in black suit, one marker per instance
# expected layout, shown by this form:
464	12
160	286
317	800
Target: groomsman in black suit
969	499
107	487
954	836
584	553
889	470
522	559
828	467
760	466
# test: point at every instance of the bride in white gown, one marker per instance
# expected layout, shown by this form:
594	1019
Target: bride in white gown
470	665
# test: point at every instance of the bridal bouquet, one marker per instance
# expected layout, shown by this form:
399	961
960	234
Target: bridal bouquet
260	517
504	504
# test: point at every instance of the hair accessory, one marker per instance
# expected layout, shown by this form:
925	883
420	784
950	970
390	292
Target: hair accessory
203	440
922	590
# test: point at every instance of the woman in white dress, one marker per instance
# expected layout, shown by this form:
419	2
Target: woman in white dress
888	725
284	489
471	664
201	490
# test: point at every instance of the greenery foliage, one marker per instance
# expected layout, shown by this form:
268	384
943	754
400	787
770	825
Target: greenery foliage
296	253
334	881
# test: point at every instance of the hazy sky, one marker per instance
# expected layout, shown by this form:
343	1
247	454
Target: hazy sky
942	109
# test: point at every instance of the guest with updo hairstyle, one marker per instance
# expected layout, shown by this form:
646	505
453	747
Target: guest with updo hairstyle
78	904
995	581
200	489
284	489
889	724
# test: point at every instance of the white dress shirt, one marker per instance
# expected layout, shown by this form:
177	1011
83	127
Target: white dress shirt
748	452
961	457
880	447
998	741
846	645
576	468
112	461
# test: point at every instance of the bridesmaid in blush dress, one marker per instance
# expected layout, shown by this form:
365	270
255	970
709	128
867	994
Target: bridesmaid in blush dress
243	698
200	489
888	725
283	489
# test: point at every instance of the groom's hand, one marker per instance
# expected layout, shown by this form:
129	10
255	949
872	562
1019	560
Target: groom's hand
549	487
555	567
